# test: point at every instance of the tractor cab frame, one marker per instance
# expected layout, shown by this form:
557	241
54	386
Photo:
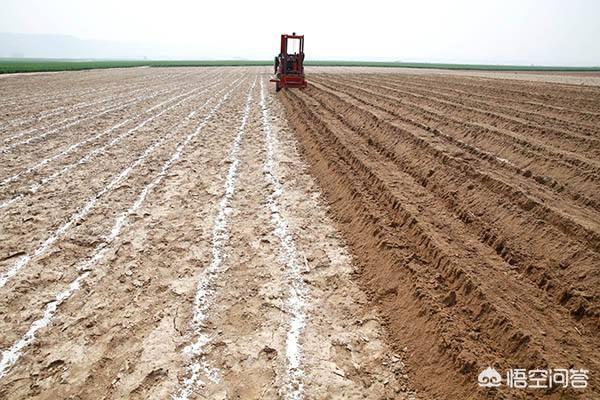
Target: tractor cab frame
289	66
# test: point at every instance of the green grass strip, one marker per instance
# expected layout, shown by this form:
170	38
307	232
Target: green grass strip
12	65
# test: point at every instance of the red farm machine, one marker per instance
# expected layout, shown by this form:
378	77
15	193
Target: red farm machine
289	64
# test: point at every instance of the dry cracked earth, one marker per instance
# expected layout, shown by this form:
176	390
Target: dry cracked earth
186	233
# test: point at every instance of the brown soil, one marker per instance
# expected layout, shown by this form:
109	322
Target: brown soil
590	78
472	208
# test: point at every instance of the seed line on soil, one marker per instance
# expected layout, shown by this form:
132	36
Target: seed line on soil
204	291
58	96
85	267
22	133
47	114
36	186
90	203
79	119
298	293
72	93
70	149
83	142
86	104
66	94
66	123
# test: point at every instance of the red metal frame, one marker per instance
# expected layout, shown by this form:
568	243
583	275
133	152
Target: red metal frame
289	68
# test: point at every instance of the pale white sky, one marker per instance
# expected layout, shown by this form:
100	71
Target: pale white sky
551	32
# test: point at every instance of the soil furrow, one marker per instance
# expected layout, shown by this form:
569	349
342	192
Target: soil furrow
569	141
570	223
457	282
494	95
475	207
555	170
582	97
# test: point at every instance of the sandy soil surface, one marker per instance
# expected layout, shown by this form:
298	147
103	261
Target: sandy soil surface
161	237
567	77
472	208
187	233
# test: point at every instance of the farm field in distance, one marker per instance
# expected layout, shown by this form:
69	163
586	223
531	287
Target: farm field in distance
21	65
384	234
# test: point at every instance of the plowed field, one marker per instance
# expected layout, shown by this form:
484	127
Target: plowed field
161	238
472	207
187	233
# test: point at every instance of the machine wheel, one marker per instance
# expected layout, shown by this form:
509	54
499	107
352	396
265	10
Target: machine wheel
277	87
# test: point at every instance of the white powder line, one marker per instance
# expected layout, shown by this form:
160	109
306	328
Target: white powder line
70	149
58	96
83	160
66	122
47	113
76	120
78	106
61	95
43	114
11	356
88	206
69	93
204	293
163	103
75	146
10	202
298	293
136	87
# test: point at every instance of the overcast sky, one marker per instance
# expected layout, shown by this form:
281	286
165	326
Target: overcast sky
543	32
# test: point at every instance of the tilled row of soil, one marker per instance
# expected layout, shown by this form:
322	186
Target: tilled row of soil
31	96
472	207
69	210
